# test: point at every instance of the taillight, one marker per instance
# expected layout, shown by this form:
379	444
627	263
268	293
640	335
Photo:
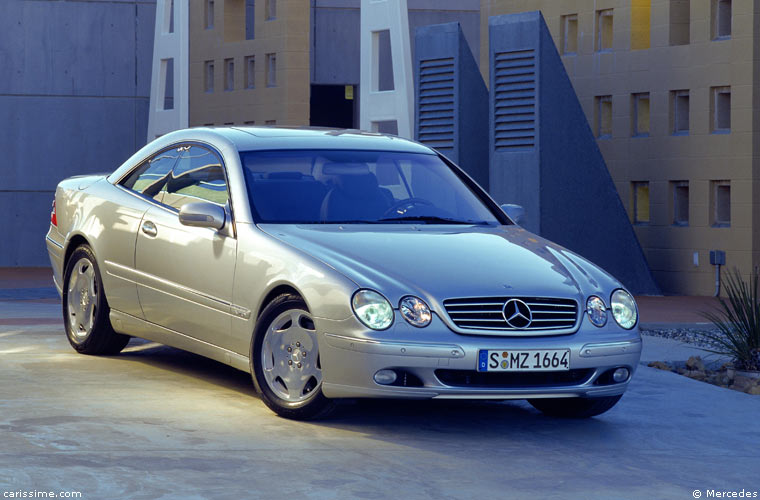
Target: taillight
53	218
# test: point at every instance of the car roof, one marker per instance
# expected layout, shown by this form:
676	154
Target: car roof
251	138
273	138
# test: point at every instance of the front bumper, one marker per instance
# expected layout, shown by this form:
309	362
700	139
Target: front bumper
439	363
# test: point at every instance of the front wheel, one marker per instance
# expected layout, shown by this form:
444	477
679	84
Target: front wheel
85	308
575	407
285	362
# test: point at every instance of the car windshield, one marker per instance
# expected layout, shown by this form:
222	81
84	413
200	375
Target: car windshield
358	187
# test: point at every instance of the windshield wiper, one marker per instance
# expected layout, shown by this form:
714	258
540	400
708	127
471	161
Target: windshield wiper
356	221
431	219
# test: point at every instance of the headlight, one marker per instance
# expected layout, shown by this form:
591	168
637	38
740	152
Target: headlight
597	311
415	311
624	309
372	309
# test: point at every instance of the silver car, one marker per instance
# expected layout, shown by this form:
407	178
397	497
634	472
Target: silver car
335	264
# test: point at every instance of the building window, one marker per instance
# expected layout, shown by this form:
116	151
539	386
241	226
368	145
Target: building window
603	116
720	110
640	24
271	9
603	30
679	112
680	209
250	72
168	19
252	122
271	76
680	22
640	202
569	35
167	73
640	115
271	122
208	84
209	14
250	19
229	74
721	19
720	203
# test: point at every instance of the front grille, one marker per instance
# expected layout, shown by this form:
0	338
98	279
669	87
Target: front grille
486	313
513	380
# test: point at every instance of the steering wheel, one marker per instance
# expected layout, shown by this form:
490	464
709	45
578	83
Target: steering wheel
406	204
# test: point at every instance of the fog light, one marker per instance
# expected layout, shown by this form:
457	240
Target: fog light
387	377
620	375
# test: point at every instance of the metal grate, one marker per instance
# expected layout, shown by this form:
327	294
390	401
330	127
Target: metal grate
511	380
436	119
486	313
514	100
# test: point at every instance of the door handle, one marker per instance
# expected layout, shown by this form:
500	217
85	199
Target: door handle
149	228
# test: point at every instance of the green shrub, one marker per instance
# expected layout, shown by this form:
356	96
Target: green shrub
738	321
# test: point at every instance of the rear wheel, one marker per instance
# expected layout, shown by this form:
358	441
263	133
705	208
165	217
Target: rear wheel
285	362
575	407
85	308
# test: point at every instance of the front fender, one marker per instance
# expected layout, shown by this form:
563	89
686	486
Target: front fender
265	264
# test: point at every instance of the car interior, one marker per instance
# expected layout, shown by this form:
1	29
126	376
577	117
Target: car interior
333	192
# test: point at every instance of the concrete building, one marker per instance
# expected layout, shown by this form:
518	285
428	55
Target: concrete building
289	62
669	87
73	100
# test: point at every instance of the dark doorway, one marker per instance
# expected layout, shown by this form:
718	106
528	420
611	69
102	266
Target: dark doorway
331	107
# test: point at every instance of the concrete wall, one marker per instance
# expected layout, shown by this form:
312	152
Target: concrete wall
451	99
73	100
544	155
662	157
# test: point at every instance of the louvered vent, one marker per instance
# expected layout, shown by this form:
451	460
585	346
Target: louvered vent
515	100
436	120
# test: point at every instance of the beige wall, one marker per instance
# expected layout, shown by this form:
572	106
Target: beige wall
700	156
287	36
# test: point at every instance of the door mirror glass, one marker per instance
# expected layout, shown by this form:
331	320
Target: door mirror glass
514	212
202	215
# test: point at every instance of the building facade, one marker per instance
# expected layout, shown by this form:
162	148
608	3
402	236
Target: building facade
669	89
292	62
249	62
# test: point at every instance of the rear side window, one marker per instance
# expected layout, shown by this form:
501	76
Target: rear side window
150	178
197	176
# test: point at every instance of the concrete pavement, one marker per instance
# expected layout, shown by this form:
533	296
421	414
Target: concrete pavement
156	422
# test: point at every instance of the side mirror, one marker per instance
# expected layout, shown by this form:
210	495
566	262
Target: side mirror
515	212
202	215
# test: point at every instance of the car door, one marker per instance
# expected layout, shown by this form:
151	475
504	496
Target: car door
187	272
135	193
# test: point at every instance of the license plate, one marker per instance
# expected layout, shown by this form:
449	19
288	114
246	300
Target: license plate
543	360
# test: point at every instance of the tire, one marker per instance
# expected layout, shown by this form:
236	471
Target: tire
289	382
85	308
575	407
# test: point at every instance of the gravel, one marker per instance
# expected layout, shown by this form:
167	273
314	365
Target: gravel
693	336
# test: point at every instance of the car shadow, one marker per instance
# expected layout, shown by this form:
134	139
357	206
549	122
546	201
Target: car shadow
476	420
186	363
392	419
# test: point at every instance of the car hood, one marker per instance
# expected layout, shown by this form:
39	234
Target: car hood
437	262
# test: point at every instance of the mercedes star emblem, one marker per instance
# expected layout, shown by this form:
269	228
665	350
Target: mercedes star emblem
517	314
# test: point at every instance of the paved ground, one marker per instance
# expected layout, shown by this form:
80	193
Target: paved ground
156	422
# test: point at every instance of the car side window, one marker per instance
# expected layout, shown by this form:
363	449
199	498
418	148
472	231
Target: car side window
197	176
150	178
